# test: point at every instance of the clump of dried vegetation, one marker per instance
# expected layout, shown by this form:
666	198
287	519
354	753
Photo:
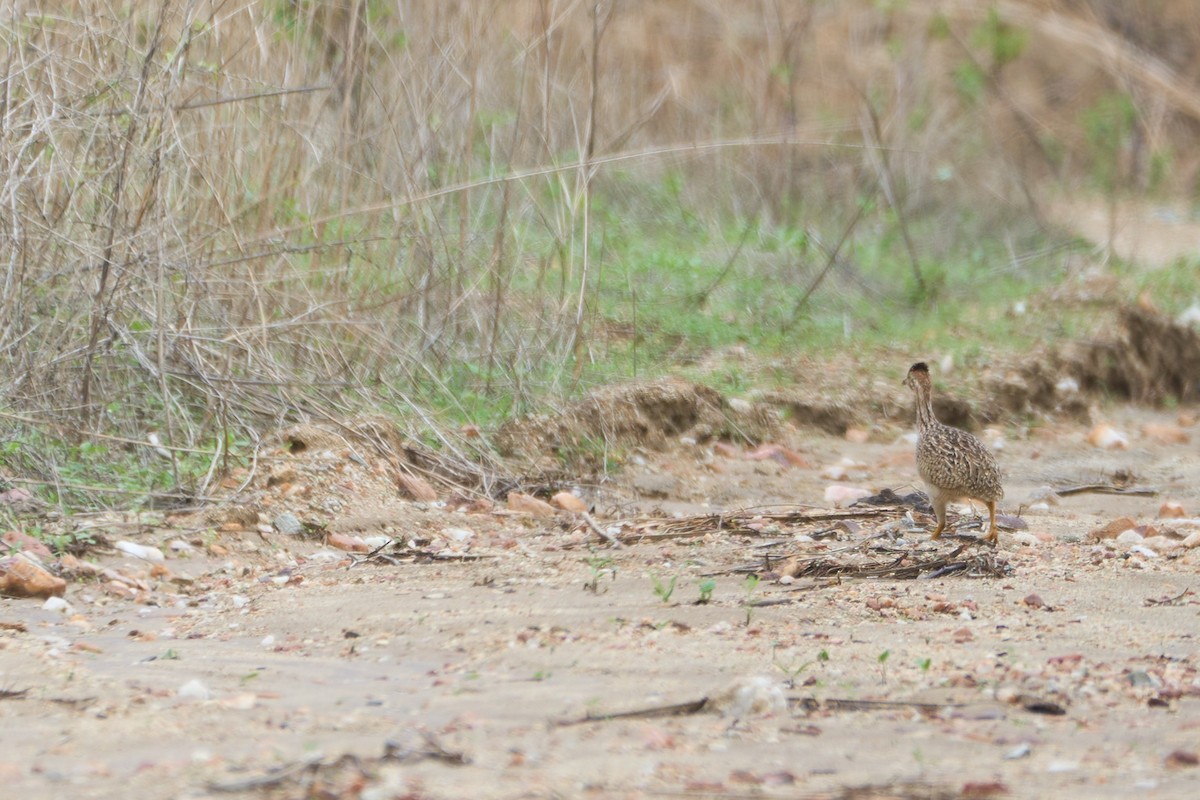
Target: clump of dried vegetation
219	215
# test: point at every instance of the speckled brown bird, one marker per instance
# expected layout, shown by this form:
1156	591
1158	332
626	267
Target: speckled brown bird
953	463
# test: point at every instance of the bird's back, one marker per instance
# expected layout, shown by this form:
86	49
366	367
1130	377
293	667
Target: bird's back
954	460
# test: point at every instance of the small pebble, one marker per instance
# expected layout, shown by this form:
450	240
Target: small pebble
1020	751
140	551
457	534
194	690
1129	537
57	604
287	524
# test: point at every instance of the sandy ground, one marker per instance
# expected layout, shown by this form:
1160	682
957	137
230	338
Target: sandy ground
476	679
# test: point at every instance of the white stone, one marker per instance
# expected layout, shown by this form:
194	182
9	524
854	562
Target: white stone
458	534
840	495
140	551
57	604
194	690
1129	537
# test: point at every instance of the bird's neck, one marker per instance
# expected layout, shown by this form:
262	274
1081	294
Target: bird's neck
925	418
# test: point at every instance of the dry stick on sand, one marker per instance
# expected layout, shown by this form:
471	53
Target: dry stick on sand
732	523
652	712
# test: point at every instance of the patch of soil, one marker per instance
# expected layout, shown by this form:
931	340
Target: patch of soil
1153	359
627	417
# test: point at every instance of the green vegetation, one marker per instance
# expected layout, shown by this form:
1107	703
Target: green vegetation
664	590
749	586
212	251
598	567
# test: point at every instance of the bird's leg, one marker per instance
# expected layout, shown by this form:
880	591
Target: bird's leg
939	508
993	534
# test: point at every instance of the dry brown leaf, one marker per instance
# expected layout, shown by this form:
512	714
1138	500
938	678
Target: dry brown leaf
416	487
1113	529
528	504
568	502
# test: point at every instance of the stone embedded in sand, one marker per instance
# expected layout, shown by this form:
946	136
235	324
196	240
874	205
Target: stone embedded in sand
777	453
21	576
1165	434
1170	508
288	524
1192	540
568	502
1162	544
416	487
55	603
1107	437
835	472
144	552
351	544
194	690
19	541
528	504
1130	536
841	495
1112	529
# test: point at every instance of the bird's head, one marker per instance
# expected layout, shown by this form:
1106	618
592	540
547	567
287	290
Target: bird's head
918	371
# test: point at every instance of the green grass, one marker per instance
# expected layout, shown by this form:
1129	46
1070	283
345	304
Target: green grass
81	475
665	294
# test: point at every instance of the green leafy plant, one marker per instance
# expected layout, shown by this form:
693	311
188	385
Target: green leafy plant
599	566
706	591
749	586
664	590
882	660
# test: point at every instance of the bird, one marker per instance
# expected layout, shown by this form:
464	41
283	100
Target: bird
953	463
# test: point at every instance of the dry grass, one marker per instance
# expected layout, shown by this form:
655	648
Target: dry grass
221	214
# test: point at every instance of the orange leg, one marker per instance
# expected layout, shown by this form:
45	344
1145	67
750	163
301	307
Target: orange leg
993	534
939	508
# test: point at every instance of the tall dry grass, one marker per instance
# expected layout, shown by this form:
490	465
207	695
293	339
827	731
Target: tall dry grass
220	214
